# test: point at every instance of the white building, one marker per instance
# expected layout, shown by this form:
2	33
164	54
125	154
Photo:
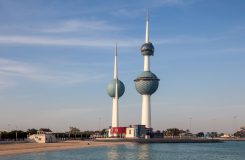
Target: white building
136	131
42	136
130	133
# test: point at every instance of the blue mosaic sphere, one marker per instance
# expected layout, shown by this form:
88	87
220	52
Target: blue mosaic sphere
111	88
147	49
146	83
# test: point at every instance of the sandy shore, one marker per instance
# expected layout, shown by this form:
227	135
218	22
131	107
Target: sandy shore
9	149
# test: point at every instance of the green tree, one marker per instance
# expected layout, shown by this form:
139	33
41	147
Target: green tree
74	131
212	134
31	131
240	134
200	134
172	132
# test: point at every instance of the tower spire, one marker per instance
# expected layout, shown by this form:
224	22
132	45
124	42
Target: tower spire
115	63
116	75
147	28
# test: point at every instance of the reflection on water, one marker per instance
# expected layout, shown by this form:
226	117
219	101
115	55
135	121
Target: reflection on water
113	153
144	152
129	151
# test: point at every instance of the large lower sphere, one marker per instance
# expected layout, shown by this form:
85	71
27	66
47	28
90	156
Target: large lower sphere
111	88
146	83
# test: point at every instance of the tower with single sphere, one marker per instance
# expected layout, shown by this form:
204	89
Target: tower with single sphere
115	89
147	82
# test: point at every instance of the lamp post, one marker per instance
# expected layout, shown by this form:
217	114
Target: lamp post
214	124
99	123
8	127
16	133
190	124
235	123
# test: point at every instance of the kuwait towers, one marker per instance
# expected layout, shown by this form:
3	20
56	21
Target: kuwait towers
147	82
115	89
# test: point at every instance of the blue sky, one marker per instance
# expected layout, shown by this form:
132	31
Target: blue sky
56	58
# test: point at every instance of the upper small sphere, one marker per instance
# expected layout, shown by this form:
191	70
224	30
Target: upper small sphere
147	49
146	83
111	88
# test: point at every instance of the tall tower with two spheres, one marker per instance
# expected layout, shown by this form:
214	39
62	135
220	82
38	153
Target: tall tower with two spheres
147	82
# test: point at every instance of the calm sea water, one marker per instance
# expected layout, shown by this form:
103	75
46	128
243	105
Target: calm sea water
212	151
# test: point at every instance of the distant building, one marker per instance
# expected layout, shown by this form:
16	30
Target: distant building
117	132
43	136
133	131
136	131
227	136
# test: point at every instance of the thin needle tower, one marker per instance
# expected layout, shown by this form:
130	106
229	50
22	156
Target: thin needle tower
115	89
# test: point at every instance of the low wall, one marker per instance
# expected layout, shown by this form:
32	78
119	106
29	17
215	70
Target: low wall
159	140
12	142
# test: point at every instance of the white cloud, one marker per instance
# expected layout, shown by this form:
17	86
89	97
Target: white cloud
232	50
91	27
187	40
130	13
78	26
40	40
11	69
140	9
173	2
98	42
6	83
158	3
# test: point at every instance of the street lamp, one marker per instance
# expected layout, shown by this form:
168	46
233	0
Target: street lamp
235	123
16	133
99	123
214	124
190	124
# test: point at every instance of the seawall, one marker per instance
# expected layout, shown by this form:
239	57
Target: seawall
159	140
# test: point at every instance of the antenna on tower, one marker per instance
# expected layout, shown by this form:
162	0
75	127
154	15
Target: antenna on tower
115	73
147	27
115	63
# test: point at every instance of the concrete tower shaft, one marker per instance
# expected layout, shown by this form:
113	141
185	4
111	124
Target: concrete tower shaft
115	115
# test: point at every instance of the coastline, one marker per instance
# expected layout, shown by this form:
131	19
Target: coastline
23	148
